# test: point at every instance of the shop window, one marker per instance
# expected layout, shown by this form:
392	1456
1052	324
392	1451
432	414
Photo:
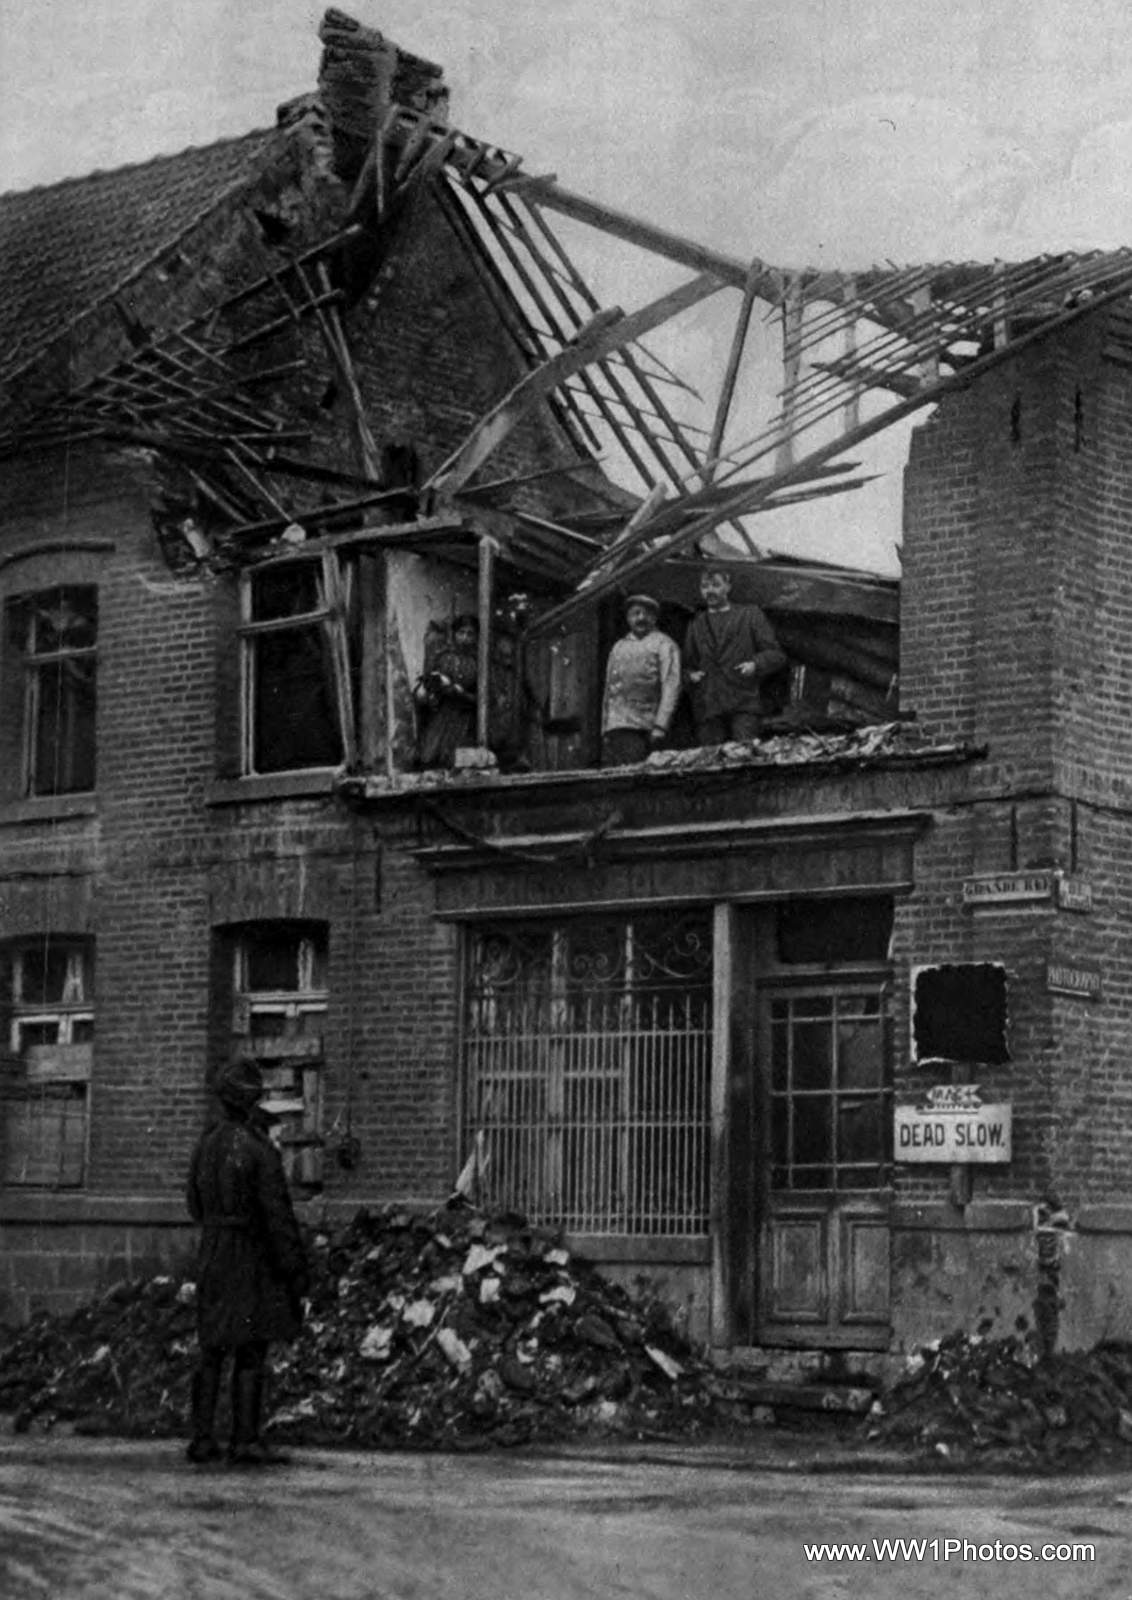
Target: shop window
278	1020
47	1074
290	694
51	657
586	1062
959	1014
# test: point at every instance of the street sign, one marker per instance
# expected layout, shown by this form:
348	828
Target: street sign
1047	884
952	1126
1006	888
1084	982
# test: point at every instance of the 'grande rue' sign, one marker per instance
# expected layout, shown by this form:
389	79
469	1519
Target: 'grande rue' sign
1022	888
952	1125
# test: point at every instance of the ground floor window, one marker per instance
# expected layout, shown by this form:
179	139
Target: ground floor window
47	1072
586	1070
278	1020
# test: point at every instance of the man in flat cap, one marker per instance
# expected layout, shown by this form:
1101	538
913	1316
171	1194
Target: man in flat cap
642	686
251	1269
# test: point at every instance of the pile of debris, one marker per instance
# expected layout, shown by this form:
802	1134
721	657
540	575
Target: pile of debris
454	1330
969	1399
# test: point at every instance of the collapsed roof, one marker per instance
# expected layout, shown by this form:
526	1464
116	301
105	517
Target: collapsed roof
138	304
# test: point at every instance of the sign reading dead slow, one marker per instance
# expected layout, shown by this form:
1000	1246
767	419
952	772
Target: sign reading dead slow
953	1126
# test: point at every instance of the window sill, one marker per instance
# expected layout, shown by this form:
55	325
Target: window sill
673	1249
273	786
48	808
26	1204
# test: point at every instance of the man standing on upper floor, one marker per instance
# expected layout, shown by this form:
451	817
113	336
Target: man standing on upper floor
729	652
642	686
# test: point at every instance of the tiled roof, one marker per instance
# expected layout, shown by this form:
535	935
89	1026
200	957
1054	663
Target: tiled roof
66	247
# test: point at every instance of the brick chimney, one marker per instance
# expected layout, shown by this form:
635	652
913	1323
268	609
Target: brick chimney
363	74
1016	599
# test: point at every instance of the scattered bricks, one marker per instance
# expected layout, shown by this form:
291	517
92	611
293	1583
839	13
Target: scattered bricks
995	1403
399	1347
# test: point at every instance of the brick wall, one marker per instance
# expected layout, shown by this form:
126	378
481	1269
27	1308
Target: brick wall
1015	632
154	868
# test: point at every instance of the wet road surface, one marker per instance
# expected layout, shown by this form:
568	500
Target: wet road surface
118	1520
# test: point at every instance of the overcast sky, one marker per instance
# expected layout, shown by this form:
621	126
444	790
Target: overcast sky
835	132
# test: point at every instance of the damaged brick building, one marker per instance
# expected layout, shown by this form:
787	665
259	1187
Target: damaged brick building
734	1019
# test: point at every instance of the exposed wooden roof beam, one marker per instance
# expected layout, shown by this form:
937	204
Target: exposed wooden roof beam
600	337
750	498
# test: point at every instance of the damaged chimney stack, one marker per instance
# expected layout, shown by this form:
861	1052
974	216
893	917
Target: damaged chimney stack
361	76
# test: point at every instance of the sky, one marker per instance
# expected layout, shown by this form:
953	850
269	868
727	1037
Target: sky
826	132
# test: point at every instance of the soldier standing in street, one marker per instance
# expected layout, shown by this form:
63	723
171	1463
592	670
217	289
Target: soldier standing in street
251	1270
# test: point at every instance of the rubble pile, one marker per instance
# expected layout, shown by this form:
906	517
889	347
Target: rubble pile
121	1364
967	1398
454	1330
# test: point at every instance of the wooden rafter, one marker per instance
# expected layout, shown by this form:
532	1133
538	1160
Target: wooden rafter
608	332
743	501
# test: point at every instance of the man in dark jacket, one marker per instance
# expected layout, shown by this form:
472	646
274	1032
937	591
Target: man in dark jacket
251	1269
729	653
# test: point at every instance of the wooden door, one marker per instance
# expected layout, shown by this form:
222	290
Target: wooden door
824	1092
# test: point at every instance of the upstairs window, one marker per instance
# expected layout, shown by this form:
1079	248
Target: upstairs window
52	643
47	1073
290	697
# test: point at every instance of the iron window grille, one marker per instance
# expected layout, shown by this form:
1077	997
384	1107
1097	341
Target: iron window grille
586	1071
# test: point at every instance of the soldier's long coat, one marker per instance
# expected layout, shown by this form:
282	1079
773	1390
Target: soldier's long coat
251	1268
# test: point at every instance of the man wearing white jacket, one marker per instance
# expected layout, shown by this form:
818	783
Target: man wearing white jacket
642	686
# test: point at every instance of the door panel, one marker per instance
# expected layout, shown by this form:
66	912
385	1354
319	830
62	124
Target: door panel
798	1280
865	1269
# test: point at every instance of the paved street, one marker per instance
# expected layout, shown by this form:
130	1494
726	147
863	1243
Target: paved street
98	1520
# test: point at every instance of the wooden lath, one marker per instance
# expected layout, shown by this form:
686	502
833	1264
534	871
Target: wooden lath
622	391
1097	282
609	331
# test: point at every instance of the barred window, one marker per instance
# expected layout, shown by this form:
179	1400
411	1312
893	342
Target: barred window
587	1062
47	1074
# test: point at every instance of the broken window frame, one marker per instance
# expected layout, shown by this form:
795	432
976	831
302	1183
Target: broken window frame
603	1059
292	1057
46	1092
315	620
58	754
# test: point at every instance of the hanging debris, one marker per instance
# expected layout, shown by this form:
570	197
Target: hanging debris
454	1330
